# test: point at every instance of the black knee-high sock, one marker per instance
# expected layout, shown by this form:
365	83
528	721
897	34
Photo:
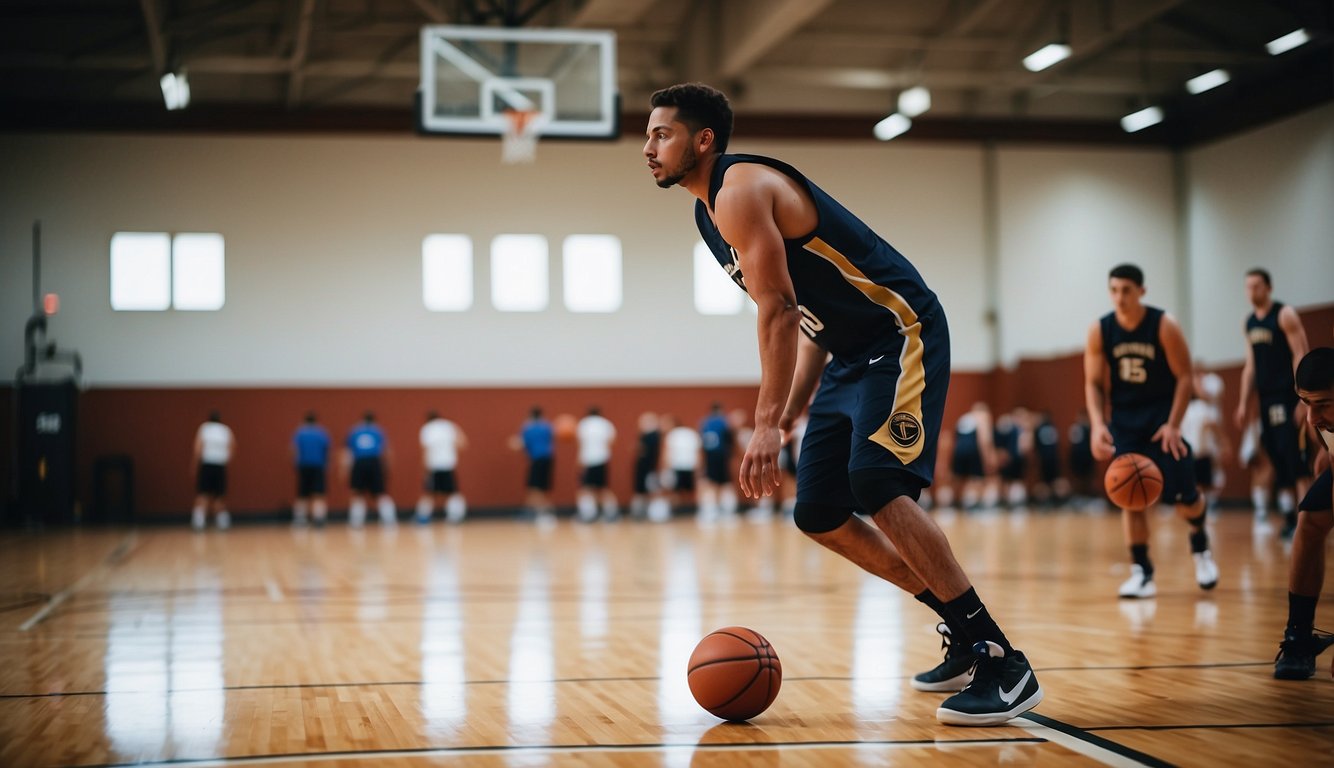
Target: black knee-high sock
1139	554
1301	613
958	635
972	617
1199	539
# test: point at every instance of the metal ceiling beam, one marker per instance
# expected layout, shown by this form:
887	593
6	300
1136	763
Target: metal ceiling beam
610	13
432	12
300	51
1089	49
762	27
157	46
886	79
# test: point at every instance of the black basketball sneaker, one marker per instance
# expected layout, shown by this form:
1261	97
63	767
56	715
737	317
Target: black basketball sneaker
1003	687
952	674
1296	654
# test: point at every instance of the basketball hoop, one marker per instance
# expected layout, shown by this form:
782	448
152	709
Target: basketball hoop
519	141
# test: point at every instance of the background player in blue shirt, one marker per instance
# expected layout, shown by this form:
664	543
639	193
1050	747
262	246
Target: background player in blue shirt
310	449
367	453
826	284
717	439
537	439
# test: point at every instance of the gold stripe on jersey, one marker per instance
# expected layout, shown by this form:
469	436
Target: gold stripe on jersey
912	378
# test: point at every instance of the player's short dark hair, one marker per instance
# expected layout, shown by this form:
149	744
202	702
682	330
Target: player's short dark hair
310	417
699	106
215	416
1128	272
1315	373
432	415
593	410
1263	274
368	417
535	412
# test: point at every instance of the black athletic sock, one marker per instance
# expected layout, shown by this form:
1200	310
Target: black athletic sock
1199	539
972	616
1301	613
957	634
1290	519
1139	553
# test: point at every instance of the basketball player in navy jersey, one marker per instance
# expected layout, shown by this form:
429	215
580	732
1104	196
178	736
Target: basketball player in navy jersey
1314	380
1146	354
838	306
1275	342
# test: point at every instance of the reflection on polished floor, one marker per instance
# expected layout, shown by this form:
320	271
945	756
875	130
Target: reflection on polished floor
496	643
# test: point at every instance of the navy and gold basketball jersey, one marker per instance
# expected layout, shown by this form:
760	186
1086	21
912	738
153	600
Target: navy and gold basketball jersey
1143	384
853	289
1273	356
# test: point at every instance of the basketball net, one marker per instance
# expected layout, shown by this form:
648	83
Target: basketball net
519	141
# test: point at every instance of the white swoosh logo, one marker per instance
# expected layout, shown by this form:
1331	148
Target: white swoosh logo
875	360
1009	696
974	613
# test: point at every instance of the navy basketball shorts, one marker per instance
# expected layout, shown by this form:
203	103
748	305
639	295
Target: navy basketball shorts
441	481
716	467
211	480
1178	474
594	476
539	474
1318	497
966	461
310	480
368	475
881	411
646	477
684	481
1282	443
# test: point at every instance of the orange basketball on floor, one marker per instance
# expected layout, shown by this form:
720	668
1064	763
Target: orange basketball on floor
734	673
1133	481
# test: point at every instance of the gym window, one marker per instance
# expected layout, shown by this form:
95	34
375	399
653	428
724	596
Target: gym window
447	273
715	293
519	273
592	273
155	271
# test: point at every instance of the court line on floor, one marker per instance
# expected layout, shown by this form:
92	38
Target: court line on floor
118	554
569	749
1082	742
275	592
565	680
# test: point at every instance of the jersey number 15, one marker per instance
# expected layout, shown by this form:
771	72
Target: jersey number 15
1132	370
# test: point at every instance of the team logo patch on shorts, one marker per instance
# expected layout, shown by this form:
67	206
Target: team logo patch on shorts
905	429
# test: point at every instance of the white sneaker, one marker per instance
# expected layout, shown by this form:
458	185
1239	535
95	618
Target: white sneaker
197	520
224	521
1138	585
1206	571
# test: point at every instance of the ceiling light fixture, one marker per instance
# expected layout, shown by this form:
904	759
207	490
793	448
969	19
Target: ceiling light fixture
1138	121
1208	81
1287	42
914	101
1046	56
175	90
892	126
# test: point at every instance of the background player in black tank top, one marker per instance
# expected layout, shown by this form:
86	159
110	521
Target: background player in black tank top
1144	354
1275	342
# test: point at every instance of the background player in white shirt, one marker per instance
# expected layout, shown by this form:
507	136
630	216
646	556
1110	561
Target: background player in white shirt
214	447
596	435
441	441
681	457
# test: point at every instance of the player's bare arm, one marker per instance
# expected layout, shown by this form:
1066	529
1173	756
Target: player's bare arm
1178	359
811	361
745	217
1243	415
1095	372
1291	324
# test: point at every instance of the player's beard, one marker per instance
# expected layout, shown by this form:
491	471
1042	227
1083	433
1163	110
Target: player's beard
688	163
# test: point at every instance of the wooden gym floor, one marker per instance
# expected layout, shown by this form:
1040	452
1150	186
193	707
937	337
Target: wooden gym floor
496	643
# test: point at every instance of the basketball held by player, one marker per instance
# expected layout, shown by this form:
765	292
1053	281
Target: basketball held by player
1144	354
